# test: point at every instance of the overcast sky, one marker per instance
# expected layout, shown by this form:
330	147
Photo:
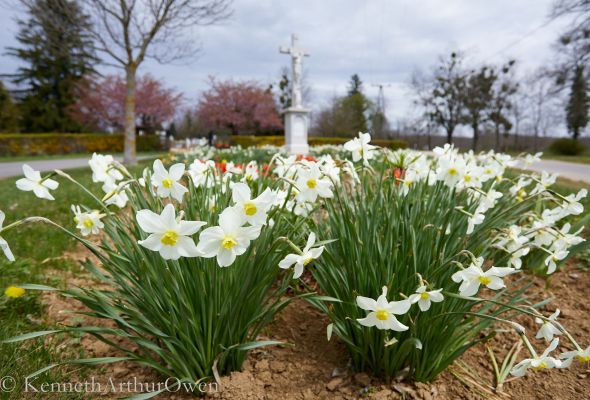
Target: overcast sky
381	40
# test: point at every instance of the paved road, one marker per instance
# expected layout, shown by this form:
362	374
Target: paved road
573	171
9	169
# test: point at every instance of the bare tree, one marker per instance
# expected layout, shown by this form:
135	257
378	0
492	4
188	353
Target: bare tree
129	31
442	93
541	105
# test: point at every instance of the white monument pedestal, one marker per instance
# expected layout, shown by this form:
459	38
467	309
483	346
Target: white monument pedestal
296	127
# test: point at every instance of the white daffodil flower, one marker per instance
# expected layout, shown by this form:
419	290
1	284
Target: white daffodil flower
513	243
284	166
475	219
251	172
545	181
169	236
518	189
471	176
572	205
253	211
228	240
116	195
167	181
566	239
547	330
382	312
202	173
300	208
450	169
569	356
553	258
232	169
302	260
360	148
3	243
472	277
489	200
542	233
312	184
539	362
425	298
102	170
87	222
33	182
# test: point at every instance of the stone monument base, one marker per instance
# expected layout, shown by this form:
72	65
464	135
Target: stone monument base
296	127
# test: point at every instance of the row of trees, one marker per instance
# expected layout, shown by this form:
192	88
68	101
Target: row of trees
453	95
61	42
497	100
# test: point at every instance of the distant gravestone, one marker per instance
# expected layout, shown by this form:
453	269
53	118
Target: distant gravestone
296	116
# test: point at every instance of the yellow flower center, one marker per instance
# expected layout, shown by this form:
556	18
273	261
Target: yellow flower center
228	242
250	208
14	292
312	183
467	178
584	358
307	261
88	223
453	171
167	183
485	280
424	296
543	365
488	171
169	238
360	151
382	315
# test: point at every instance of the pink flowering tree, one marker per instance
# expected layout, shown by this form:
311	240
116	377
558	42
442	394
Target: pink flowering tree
101	103
240	107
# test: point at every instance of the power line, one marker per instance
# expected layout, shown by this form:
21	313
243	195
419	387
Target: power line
524	37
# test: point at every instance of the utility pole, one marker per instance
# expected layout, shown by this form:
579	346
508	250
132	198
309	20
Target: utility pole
378	123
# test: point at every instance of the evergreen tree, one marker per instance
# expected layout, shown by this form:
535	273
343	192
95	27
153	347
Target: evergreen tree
355	106
355	85
8	112
577	107
56	51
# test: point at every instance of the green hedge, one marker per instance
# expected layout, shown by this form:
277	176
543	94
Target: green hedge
567	147
26	144
248	141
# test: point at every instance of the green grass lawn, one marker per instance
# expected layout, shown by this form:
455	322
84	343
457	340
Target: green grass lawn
580	159
37	248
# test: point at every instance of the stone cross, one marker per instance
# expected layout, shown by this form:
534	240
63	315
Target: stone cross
296	117
296	55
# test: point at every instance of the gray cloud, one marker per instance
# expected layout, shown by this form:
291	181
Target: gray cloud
382	40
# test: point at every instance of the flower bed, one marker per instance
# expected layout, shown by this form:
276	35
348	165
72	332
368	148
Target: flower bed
414	255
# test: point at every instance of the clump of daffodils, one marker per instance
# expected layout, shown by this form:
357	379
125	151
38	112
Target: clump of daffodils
429	235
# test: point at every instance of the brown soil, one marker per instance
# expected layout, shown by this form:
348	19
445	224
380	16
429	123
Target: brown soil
313	368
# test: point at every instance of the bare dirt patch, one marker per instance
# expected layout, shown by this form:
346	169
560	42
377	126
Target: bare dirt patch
310	367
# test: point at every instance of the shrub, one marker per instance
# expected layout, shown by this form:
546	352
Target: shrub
67	143
567	147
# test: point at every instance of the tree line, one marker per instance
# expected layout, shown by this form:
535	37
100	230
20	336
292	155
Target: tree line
62	41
